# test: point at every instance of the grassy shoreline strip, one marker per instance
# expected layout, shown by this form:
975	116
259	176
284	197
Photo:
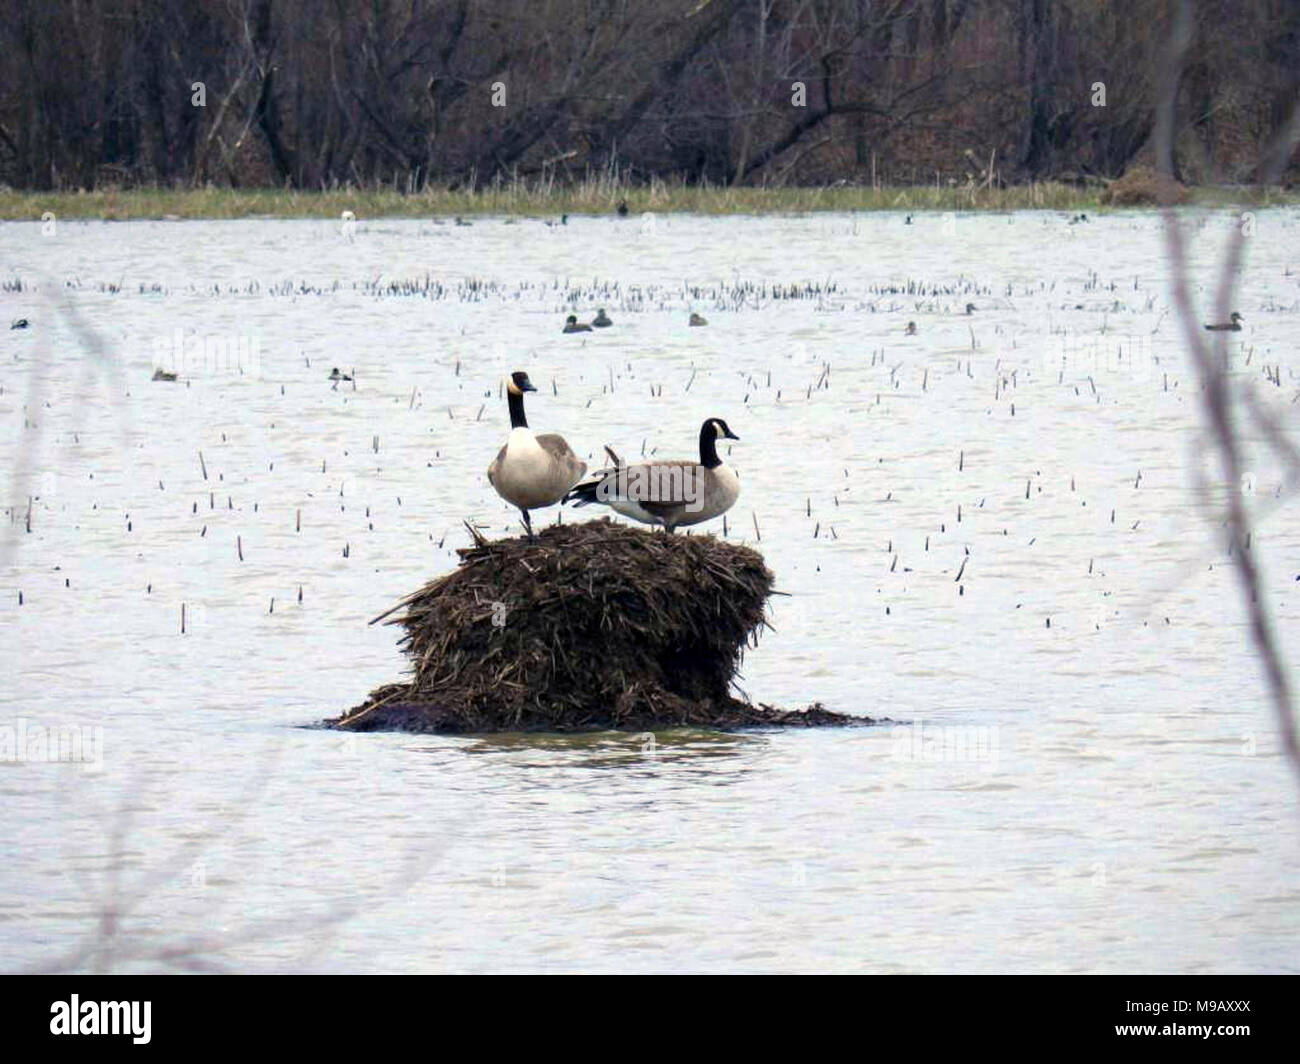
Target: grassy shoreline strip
595	197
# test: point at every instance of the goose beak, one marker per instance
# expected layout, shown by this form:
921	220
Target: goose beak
530	387
732	436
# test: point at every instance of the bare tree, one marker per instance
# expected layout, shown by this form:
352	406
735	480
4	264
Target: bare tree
1223	401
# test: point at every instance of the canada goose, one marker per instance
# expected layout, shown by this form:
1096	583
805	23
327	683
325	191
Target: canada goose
161	374
911	328
699	319
572	324
19	323
1228	326
602	320
532	471
970	308
336	376
670	494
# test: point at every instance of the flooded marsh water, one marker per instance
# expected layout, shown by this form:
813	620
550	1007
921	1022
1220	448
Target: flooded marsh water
988	531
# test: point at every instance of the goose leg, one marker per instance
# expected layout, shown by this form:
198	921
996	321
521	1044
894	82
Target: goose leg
528	523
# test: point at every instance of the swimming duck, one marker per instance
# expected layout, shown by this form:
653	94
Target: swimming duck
19	323
335	375
699	319
572	324
532	471
1229	326
161	374
670	494
602	320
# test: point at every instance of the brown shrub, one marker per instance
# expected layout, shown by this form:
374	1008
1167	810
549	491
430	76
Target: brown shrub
1141	186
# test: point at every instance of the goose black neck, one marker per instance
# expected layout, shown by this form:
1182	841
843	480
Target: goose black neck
709	447
517	419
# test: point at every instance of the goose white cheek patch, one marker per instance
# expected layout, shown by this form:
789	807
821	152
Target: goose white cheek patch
654	484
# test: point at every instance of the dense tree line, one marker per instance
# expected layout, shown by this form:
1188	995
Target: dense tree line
318	93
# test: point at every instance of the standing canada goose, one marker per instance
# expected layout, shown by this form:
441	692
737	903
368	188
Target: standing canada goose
698	319
670	494
602	320
1228	326
532	471
572	325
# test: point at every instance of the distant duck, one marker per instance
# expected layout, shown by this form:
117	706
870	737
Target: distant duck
1229	326
670	494
911	328
1078	218
602	320
336	376
461	221
622	209
161	374
19	323
572	325
970	308
699	319
532	471
908	220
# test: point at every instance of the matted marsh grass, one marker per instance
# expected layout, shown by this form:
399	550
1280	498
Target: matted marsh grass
589	626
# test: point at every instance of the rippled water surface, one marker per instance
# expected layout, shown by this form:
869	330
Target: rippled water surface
1112	799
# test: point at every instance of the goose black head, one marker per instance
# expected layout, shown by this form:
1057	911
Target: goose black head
1236	317
519	383
720	429
572	319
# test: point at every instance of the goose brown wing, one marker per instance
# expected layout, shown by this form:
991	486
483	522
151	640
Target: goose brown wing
666	485
552	443
558	448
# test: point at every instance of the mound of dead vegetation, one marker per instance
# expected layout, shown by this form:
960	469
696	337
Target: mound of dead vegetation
589	626
1141	186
